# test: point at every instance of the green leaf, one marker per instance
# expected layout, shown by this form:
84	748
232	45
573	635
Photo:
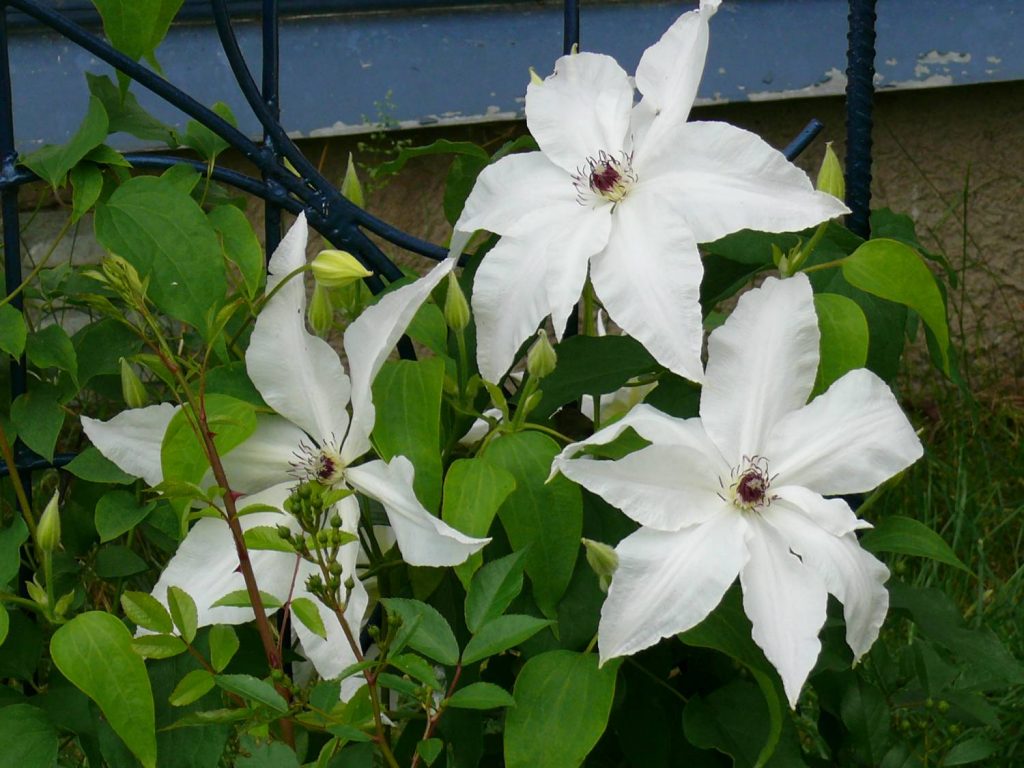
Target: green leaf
844	337
28	736
115	562
500	634
5	623
562	705
93	466
906	536
865	713
474	489
106	155
407	396
158	646
592	365
125	112
493	588
253	689
429	749
459	183
13	332
192	687
970	751
240	245
223	646
118	512
182	456
51	347
52	163
266	537
166	236
146	611
481	696
750	247
305	610
183	612
86	186
94	651
349	733
545	516
136	27
38	418
417	667
894	271
204	141
439	147
423	629
11	539
727	630
100	346
240	599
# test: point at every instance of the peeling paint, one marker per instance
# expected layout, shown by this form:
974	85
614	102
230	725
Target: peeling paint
952	57
891	62
993	60
933	81
832	83
493	114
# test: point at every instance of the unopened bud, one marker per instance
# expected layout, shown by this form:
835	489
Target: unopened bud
830	175
456	308
321	311
336	269
350	186
541	359
123	279
535	79
48	531
132	389
602	560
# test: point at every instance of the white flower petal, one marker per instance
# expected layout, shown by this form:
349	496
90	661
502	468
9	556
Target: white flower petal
132	439
299	375
422	538
853	575
785	601
206	563
761	366
667	583
848	440
580	110
727	179
833	515
370	339
662	487
523	280
266	458
648	278
509	193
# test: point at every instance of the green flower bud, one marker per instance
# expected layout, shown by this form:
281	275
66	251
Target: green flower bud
132	389
535	79
602	560
830	175
48	530
124	280
336	269
321	311
541	359
456	308
350	186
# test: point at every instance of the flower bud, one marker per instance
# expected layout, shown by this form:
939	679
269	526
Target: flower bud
456	308
350	186
830	175
541	359
535	79
132	389
602	560
336	269
123	279
321	312
48	531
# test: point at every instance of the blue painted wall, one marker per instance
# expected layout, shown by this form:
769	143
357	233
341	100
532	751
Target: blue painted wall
470	64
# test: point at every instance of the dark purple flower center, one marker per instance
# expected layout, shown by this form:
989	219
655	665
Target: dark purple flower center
751	484
752	487
604	177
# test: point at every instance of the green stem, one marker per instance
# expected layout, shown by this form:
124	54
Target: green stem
460	341
7	597
825	265
42	263
19	488
589	310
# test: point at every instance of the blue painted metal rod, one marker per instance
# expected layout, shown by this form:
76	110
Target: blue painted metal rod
271	94
571	28
860	89
803	139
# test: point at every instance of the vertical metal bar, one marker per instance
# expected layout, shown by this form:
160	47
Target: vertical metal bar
571	33
860	89
271	94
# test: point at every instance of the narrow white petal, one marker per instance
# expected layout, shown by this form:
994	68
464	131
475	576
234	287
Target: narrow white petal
785	601
848	440
523	280
662	487
299	375
509	193
580	110
266	457
667	583
728	179
832	515
850	573
761	366
422	538
206	563
370	339
132	439
648	278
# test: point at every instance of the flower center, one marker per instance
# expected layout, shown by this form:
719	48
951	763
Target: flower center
605	177
324	464
749	489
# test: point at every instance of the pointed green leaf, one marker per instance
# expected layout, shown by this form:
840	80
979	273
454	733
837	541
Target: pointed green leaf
28	736
204	141
266	537
182	456
240	245
136	27
52	163
158	646
305	610
118	512
223	646
493	588
423	629
51	347
146	611
192	687
93	466
5	623
38	418
481	696
240	599
13	332
429	749
844	337
253	689
11	539
500	634
86	185
906	536
183	612
125	112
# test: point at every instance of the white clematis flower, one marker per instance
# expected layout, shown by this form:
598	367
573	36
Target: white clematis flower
629	190
302	378
742	490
